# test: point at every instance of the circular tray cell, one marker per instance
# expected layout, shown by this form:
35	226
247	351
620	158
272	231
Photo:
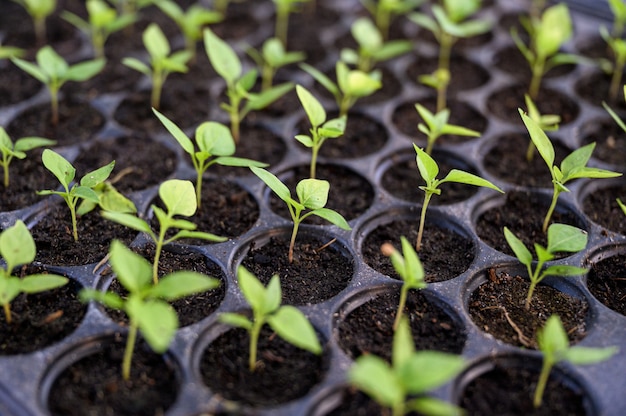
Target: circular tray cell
190	309
401	178
406	118
322	266
506	159
505	102
283	372
600	205
610	141
88	380
115	77
134	166
505	385
496	304
467	74
78	122
606	279
595	89
41	319
364	325
510	60
350	194
504	211
306	32
447	249
10	76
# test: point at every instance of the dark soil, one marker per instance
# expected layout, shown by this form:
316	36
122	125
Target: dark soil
508	390
505	102
600	206
355	403
445	254
507	160
283	371
94	384
10	76
470	74
523	213
41	319
402	179
595	89
318	272
606	280
610	141
510	60
350	194
78	122
498	308
368	329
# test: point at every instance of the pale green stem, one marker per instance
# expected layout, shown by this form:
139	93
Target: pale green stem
40	29
5	168
543	380
429	145
418	243
535	82
74	222
555	198
616	79
398	409
382	22
54	102
254	341
235	119
282	23
292	241
157	256
314	152
531	291
98	43
530	151
128	351
445	51
403	295
157	85
7	312
266	78
198	187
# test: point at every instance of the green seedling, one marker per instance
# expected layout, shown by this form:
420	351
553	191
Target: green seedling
372	48
162	61
53	71
621	205
17	150
146	304
215	145
561	238
7	52
283	9
351	85
403	385
17	248
39	10
547	35
429	170
179	198
271	57
409	268
109	198
103	20
190	22
553	343
238	85
574	166
616	68
72	193
287	321
437	125
384	11
547	122
614	115
312	196
320	130
449	24
131	7
618	8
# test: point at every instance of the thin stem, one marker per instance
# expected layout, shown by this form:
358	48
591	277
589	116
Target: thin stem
40	29
543	380
266	77
403	295
292	242
555	197
54	103
529	296
254	341
7	312
418	243
616	79
382	22
530	151
5	168
198	187
429	145
535	82
157	85
282	23
314	152
71	203
128	351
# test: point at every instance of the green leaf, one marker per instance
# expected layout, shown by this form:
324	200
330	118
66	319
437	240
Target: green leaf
366	34
305	140
28	143
222	57
555	28
313	193
175	131
97	176
321	78
155	42
519	249
182	283
564	237
157	322
434	367
179	196
586	355
292	326
84	70
333	217
460	176
426	165
564	270
403	347
392	49
215	138
128	220
373	376
552	338
137	65
239	161
36	283
314	110
31	69
236	320
433	407
85	193
361	84
252	289
133	271
273	183
9	289
273	296
109	299
17	246
413	273
59	166
265	98
200	235
52	64
540	139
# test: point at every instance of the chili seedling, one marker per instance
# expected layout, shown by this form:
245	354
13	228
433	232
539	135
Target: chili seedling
437	125
270	58
11	150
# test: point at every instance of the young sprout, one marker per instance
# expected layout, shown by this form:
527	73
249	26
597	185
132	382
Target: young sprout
238	85
547	35
618	8
109	199
403	385
410	269
17	247
131	7
320	128
616	68
7	52
73	192
450	23
190	22
372	48
18	150
180	199
553	343
271	57
52	70
384	11
38	10
215	145
351	85
429	170
162	62
102	22
574	166
146	304
437	125
287	321
283	9
561	238
547	122
312	196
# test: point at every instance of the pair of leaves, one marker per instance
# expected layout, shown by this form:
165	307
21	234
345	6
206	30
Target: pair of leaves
274	55
10	150
320	128
191	21
158	48
450	19
102	18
